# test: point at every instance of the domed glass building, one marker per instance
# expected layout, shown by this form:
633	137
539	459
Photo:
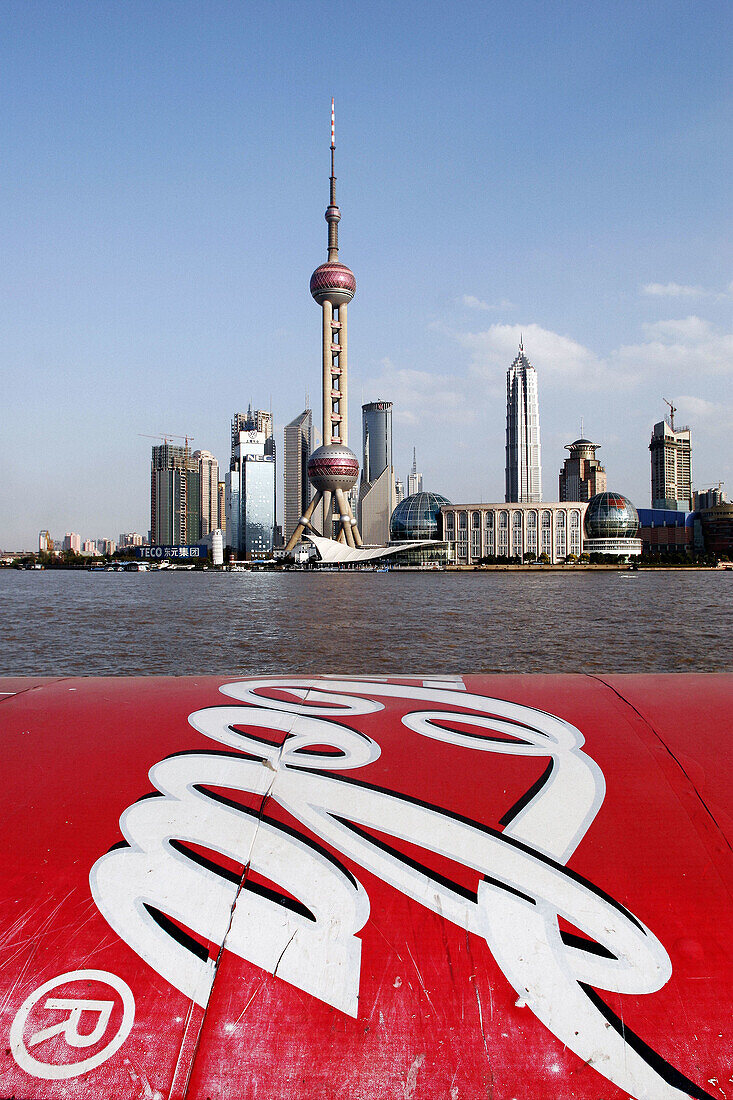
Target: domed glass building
417	517
611	526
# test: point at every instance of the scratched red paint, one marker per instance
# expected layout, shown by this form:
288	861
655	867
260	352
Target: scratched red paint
421	1002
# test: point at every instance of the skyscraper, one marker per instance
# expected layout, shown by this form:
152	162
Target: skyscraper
523	463
377	492
175	496
582	475
298	445
414	479
250	519
208	491
333	468
255	420
671	458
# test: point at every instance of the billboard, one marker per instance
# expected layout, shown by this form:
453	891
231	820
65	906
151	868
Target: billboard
161	553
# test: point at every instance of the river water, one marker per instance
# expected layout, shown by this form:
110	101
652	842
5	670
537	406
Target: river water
182	623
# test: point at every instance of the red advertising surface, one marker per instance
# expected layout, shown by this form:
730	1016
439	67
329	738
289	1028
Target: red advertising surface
500	886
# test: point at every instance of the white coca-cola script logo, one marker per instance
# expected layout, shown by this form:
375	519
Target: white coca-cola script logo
312	942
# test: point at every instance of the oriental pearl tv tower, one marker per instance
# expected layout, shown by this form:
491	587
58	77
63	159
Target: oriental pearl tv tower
333	468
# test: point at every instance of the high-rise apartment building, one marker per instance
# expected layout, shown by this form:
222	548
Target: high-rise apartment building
298	447
175	496
377	493
671	458
72	542
582	475
208	468
414	479
250	520
523	461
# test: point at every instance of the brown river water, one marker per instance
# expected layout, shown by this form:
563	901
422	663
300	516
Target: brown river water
185	623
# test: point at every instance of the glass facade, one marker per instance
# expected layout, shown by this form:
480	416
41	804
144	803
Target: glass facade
611	516
489	521
532	533
546	534
418	517
503	551
257	506
560	536
575	533
517	535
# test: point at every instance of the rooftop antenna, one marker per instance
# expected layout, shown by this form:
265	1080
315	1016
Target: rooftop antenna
581	428
672	411
521	343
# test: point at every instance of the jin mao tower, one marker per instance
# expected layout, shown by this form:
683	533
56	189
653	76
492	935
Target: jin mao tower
333	468
523	467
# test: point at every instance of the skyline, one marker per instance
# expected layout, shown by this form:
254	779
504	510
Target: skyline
515	173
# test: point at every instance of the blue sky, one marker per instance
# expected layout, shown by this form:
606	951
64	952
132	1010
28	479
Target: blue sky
557	169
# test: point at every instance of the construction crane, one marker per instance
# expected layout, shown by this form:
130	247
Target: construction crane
167	437
672	411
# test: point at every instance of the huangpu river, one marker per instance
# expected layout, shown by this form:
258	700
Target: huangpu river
182	623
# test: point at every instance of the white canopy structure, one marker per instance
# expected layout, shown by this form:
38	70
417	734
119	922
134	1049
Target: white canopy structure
332	552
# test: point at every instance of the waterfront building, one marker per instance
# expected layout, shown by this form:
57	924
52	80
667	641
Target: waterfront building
414	479
208	469
45	542
297	449
514	530
671	461
717	528
106	546
582	475
523	474
256	420
251	497
418	517
664	531
130	538
175	515
72	542
89	548
611	526
333	469
377	489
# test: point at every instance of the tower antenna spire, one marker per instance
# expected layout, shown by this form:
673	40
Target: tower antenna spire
333	214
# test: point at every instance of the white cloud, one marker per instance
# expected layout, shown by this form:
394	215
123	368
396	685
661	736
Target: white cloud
688	329
674	290
680	290
560	357
422	397
716	416
688	347
470	301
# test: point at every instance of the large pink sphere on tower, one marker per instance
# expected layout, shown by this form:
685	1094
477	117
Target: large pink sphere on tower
333	467
333	282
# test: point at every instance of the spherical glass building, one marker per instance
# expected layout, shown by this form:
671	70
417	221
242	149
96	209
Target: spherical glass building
417	517
611	516
611	526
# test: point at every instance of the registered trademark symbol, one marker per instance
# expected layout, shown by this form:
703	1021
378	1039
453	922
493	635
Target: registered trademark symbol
84	1022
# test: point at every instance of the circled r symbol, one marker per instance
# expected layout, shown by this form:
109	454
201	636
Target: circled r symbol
85	1023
